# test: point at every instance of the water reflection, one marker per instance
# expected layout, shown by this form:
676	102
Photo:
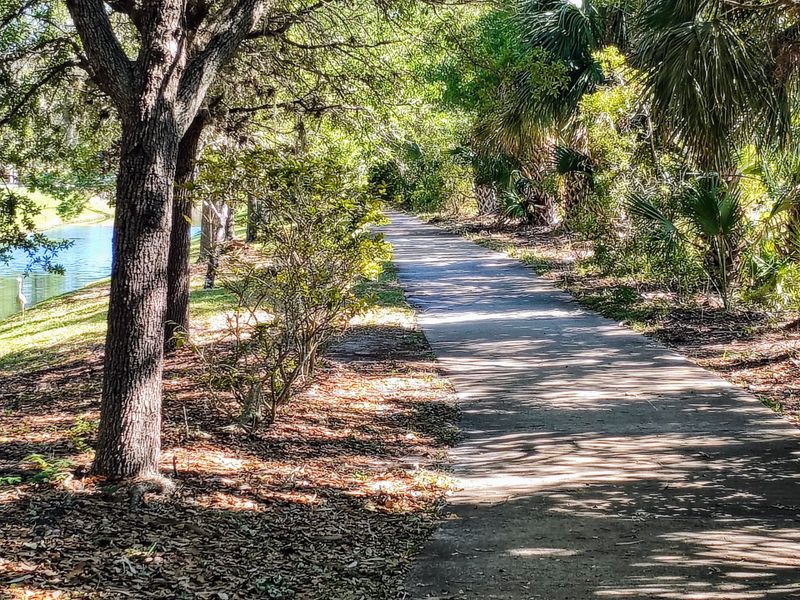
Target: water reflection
87	260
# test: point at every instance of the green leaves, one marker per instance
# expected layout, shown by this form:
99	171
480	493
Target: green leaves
707	77
569	160
713	210
642	207
709	220
569	31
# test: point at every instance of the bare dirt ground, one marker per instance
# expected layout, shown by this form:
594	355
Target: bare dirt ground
751	348
332	501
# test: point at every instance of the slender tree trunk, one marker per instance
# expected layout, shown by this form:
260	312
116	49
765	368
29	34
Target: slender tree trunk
253	210
129	439
206	231
176	319
229	224
221	216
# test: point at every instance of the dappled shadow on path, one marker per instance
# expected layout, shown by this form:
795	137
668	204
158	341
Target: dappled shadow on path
595	463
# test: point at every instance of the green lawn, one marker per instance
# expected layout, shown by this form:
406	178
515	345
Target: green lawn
96	210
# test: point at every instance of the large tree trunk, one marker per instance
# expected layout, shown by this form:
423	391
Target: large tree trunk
130	413
157	95
176	320
540	205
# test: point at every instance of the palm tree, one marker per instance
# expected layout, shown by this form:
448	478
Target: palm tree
708	69
570	31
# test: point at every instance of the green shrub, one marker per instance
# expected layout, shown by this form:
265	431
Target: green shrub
296	289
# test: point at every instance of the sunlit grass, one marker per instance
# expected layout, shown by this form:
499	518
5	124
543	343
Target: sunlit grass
65	327
72	326
95	211
386	300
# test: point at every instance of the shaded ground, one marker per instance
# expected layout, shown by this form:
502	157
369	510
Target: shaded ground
595	463
330	502
753	349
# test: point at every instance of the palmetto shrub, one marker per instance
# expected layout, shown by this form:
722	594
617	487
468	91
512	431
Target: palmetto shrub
708	219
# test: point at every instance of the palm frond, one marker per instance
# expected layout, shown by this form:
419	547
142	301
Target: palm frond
708	82
713	210
641	207
569	160
568	31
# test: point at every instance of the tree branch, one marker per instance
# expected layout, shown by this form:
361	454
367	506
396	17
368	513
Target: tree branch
127	7
300	105
108	65
340	44
51	74
17	13
287	20
229	33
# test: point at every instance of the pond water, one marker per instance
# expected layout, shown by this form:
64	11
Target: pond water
86	261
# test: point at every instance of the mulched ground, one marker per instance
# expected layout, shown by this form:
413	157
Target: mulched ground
331	502
751	348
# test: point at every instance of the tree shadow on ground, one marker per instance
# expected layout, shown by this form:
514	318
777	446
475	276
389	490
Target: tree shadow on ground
595	463
329	502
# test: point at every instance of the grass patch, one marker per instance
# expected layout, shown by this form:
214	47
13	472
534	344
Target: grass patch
385	291
95	211
623	303
527	256
386	300
72	326
66	327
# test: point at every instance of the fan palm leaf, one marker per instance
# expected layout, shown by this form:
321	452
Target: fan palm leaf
641	207
708	82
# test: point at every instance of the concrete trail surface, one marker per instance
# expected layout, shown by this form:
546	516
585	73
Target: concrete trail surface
595	462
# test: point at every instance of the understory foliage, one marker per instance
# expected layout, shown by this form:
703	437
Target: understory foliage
294	289
663	133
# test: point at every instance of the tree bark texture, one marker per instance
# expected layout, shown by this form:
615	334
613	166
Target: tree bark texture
576	185
176	319
540	205
486	197
157	96
129	438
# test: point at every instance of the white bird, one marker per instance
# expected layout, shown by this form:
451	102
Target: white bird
21	299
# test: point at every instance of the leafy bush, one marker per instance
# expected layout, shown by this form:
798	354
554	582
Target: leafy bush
424	180
710	220
49	471
295	291
83	433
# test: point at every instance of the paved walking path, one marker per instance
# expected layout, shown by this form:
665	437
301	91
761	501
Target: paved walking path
595	463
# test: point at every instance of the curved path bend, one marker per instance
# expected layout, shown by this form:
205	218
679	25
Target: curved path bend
595	463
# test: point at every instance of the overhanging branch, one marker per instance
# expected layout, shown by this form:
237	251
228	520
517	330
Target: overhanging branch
229	32
108	65
51	74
